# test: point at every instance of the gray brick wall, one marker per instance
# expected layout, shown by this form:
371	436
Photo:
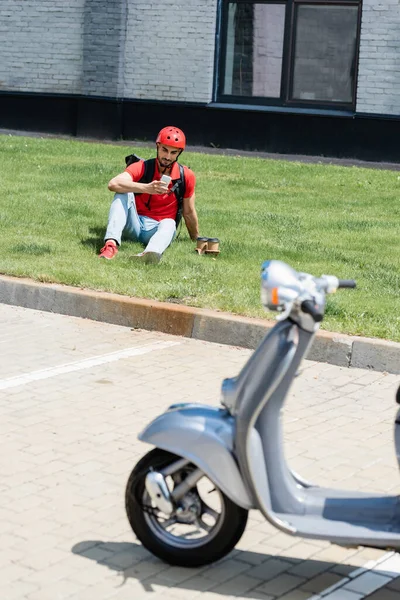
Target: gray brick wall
115	48
104	34
41	45
378	89
74	47
169	52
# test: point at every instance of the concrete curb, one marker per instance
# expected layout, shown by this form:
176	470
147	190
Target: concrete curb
196	323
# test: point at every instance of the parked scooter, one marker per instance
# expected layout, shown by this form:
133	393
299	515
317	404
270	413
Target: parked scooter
188	499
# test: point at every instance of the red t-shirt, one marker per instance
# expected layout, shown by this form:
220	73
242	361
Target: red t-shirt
160	206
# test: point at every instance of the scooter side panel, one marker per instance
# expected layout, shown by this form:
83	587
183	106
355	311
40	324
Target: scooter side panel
203	435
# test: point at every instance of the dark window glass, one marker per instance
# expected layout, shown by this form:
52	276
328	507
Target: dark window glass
254	45
239	51
325	53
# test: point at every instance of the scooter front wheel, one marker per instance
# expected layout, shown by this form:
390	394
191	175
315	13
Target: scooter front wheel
203	527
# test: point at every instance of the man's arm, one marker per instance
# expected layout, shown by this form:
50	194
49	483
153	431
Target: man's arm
123	184
190	217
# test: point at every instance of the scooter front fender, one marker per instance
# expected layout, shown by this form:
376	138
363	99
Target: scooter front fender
203	435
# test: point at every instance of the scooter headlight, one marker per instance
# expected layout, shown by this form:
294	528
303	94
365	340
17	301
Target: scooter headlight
279	285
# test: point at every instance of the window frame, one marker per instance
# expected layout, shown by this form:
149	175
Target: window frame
288	59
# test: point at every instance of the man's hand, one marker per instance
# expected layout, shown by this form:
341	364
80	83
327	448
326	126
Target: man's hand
156	187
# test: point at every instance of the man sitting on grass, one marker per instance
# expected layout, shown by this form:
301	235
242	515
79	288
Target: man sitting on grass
149	212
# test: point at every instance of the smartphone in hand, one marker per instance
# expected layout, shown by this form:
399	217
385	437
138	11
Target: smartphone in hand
166	179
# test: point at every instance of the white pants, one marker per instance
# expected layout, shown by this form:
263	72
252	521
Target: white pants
123	219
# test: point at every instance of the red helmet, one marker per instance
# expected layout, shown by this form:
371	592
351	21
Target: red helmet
172	136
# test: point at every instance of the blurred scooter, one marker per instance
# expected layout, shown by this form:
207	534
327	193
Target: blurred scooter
188	499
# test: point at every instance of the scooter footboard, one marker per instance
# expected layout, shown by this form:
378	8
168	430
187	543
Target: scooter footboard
203	435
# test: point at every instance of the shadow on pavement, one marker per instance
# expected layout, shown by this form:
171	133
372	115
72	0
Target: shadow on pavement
132	560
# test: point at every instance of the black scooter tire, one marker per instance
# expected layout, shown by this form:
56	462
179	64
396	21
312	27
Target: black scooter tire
230	532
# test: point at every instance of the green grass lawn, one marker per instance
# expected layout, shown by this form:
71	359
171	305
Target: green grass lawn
319	218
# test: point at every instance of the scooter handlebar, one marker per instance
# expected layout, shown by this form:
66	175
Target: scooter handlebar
281	286
309	307
347	283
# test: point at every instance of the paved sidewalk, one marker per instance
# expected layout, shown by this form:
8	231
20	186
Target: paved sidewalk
197	323
74	394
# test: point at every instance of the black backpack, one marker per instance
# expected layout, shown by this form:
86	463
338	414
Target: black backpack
178	184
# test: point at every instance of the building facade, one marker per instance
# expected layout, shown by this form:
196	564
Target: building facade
291	76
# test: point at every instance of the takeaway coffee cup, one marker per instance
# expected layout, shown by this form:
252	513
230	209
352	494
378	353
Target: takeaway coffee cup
213	245
201	244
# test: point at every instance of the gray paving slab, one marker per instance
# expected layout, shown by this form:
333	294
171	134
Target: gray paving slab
74	393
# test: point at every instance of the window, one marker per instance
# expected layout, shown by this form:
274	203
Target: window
289	53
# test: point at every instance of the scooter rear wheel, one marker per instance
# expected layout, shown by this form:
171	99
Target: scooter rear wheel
171	537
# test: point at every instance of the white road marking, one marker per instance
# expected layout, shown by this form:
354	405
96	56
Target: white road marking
363	581
86	363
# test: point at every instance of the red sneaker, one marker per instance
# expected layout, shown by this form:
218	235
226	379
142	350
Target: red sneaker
109	250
